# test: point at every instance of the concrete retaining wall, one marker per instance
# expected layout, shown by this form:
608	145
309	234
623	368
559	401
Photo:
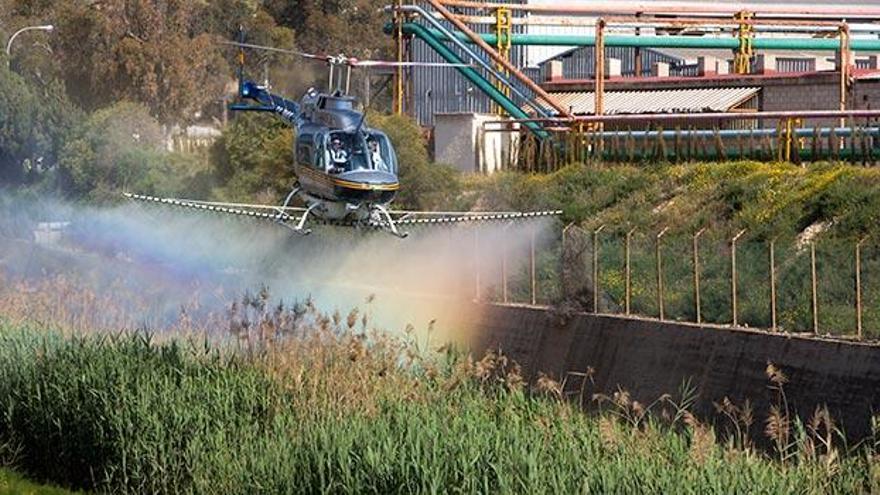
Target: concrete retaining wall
649	358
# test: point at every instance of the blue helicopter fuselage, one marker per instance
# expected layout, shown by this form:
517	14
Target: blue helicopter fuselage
341	165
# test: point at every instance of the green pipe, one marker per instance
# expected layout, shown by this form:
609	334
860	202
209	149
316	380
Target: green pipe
806	155
801	44
473	76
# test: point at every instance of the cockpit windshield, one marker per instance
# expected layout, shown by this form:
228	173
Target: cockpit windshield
348	151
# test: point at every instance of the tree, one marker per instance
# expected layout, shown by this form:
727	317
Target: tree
115	149
140	50
164	54
353	27
253	159
17	139
34	121
424	185
224	18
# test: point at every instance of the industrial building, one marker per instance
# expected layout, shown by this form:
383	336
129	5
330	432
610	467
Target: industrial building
773	84
436	90
668	64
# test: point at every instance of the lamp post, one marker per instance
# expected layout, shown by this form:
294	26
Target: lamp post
47	27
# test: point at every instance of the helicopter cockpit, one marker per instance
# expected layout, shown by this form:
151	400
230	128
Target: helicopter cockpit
352	151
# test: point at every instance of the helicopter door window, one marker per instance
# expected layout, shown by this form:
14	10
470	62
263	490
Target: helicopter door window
322	155
376	155
303	153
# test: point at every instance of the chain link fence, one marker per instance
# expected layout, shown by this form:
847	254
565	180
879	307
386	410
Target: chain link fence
805	284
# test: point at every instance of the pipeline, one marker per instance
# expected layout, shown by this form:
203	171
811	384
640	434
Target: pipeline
742	133
725	133
789	44
785	144
661	117
621	7
773	25
475	77
498	58
470	53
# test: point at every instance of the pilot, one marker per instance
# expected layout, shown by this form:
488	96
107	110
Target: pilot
338	157
376	155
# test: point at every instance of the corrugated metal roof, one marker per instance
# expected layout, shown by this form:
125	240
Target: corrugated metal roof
658	101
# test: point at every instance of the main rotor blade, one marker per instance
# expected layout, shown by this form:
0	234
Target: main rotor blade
384	63
278	50
342	59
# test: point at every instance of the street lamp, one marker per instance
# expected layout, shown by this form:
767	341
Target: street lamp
47	27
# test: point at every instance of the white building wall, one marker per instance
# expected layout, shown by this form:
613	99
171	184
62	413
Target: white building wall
459	141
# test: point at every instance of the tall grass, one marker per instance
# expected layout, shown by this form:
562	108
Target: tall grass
321	404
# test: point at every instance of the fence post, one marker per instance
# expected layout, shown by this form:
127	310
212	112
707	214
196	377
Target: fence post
534	285
733	274
859	287
697	273
773	284
476	264
596	268
563	260
660	274
504	274
815	287
628	272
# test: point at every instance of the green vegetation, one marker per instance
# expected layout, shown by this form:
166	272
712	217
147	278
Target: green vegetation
252	160
34	123
831	205
768	199
120	148
12	483
428	185
331	408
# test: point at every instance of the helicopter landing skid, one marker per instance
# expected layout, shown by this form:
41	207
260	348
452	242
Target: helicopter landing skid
388	222
287	200
284	219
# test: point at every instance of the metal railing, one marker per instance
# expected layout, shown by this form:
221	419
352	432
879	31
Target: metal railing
786	142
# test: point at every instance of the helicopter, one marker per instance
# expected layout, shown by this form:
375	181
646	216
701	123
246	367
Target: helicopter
346	172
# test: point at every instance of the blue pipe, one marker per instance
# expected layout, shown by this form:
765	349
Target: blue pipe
442	31
472	75
737	133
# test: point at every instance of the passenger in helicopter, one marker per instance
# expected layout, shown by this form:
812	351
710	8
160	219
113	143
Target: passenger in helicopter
376	155
338	157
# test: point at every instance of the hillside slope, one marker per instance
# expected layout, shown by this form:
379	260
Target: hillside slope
822	208
768	199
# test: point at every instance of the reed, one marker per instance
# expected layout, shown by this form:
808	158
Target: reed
296	401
